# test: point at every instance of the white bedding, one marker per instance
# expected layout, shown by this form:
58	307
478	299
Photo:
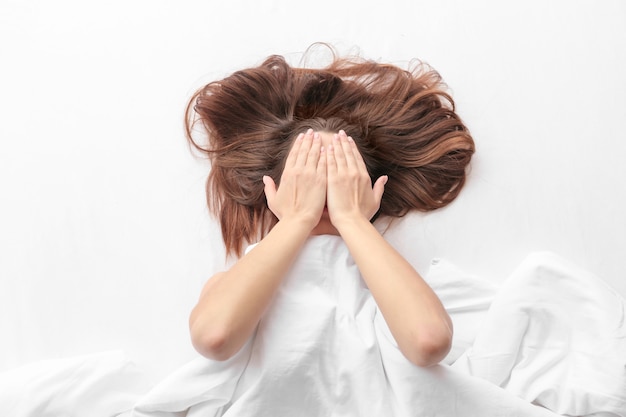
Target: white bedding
99	385
324	349
555	335
551	336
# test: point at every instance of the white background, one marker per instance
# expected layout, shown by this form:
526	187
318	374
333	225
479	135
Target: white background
105	240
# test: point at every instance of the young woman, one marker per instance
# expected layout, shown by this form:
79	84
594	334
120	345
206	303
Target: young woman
303	161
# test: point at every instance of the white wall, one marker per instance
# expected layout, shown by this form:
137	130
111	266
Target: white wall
104	236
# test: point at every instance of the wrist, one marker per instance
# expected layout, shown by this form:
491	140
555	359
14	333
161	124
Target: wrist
298	224
346	224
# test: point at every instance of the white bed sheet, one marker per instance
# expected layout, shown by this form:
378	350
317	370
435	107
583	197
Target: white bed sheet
552	335
99	385
555	335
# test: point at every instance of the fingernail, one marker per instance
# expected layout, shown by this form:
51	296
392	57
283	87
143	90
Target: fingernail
342	132
316	136
300	136
350	139
308	132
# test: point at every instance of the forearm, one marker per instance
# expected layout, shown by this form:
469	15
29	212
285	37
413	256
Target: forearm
413	312
232	303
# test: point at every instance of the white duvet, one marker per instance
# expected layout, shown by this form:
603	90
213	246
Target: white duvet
555	335
324	349
551	340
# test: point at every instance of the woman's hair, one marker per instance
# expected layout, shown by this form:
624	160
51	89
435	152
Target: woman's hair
403	123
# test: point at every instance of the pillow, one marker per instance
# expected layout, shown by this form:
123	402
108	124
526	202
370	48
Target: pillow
465	297
99	385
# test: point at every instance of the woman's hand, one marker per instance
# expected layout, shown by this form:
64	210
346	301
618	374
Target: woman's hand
232	302
350	193
302	191
415	316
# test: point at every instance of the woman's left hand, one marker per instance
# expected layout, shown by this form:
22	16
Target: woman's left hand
349	188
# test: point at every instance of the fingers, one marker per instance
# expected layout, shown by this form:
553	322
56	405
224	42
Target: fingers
295	151
304	150
322	160
350	188
342	153
270	190
346	155
348	147
379	189
356	155
302	190
313	155
331	163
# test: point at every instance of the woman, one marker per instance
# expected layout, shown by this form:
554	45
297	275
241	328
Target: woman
304	161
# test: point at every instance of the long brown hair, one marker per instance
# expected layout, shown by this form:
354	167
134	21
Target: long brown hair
404	123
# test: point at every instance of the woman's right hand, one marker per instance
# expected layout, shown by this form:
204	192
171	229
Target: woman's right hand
233	302
302	191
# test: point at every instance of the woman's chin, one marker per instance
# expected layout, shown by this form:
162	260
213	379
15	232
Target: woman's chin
324	227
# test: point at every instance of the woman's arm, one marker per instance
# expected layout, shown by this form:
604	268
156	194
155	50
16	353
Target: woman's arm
414	313
232	302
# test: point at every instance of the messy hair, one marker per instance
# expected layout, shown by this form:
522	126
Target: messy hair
403	122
